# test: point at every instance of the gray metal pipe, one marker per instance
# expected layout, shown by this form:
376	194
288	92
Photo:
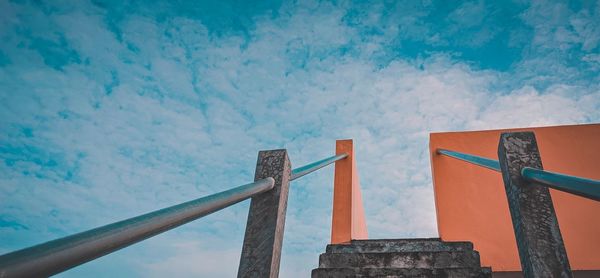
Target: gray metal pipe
587	188
309	168
583	187
59	255
473	159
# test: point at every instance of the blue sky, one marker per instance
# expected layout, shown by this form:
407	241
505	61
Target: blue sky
111	109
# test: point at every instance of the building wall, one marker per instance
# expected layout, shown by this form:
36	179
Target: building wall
471	202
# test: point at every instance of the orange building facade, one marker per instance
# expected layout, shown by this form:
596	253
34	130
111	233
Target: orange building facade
471	203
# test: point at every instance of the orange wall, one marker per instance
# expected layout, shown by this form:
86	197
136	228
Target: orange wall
348	217
471	202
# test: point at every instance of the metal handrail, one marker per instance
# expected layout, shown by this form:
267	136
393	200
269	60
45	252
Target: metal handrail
58	255
583	187
473	159
587	188
309	168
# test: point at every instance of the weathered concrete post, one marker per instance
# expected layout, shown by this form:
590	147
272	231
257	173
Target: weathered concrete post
261	251
541	248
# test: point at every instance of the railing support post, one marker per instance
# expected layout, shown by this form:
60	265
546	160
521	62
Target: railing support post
261	252
541	248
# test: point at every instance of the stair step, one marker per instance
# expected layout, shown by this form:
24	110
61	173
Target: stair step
402	272
438	259
399	245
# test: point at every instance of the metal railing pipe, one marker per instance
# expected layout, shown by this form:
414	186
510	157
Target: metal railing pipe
473	159
59	255
575	185
583	187
309	168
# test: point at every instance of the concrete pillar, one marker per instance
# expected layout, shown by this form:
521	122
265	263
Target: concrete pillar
541	248
261	252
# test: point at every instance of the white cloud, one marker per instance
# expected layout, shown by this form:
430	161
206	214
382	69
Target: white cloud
529	107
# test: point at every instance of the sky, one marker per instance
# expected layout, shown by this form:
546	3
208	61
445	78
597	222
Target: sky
110	109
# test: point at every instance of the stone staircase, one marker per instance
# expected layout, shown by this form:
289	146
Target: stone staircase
429	257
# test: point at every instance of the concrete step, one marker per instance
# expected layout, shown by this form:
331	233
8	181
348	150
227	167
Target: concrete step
438	259
399	245
402	272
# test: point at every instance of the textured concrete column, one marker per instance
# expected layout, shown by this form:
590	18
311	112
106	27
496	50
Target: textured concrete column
541	248
261	252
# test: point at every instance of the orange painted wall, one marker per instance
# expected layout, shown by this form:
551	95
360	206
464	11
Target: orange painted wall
471	202
348	217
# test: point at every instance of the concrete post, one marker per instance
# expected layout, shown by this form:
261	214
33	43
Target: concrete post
541	248
261	252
